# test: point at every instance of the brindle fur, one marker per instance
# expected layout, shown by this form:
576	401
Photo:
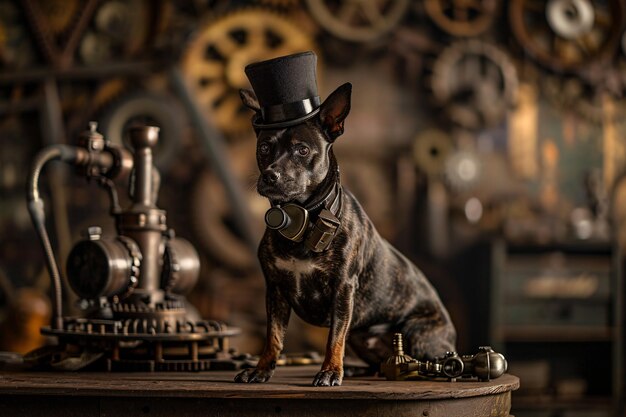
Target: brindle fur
361	286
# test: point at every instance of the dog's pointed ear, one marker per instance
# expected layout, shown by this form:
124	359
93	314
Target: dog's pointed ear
249	99
335	109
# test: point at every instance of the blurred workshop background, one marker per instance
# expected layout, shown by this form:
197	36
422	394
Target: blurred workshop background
487	140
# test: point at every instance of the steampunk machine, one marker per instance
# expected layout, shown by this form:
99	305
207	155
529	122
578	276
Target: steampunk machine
131	286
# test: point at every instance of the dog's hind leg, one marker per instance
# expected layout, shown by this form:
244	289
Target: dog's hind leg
372	345
428	333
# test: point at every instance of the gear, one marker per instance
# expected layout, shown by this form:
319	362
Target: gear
280	4
212	214
95	48
572	94
211	219
106	92
475	83
119	28
146	108
430	151
16	47
358	20
367	177
60	14
463	169
566	35
461	17
214	61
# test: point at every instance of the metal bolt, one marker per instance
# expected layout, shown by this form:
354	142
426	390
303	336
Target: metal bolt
94	232
398	348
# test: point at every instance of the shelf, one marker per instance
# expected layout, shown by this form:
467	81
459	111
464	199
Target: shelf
555	334
569	247
522	299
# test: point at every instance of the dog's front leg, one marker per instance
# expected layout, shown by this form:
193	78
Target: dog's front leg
278	312
332	368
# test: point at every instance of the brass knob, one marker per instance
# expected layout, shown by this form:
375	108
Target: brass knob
144	136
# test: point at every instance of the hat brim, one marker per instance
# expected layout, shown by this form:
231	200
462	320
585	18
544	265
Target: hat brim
257	122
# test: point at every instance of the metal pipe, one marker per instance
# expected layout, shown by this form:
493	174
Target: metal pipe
143	139
147	232
38	216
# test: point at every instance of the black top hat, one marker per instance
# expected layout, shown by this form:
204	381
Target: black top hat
286	88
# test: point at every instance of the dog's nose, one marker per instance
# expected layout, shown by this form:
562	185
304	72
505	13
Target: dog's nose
270	177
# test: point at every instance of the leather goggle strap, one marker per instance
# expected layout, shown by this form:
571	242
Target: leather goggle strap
323	231
324	201
336	205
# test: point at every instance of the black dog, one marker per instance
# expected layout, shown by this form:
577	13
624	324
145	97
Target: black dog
332	267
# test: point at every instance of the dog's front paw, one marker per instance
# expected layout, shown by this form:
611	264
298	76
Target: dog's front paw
254	375
328	378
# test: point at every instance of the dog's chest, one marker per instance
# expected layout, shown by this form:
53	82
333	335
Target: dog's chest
302	281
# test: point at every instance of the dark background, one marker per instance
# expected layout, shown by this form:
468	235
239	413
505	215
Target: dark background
486	140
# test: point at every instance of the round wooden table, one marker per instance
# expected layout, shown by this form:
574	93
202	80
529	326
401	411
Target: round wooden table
215	394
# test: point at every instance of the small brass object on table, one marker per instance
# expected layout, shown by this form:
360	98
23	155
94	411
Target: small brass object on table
484	365
391	367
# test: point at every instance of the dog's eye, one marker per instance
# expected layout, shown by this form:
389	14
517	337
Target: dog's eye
303	150
264	149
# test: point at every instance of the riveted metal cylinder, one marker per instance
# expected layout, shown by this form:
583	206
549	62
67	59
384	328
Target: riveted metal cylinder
100	268
181	266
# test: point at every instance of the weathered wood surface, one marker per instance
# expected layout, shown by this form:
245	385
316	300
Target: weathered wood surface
286	383
215	393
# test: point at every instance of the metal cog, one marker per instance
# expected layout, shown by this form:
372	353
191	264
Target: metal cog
146	108
463	170
17	49
281	4
212	214
211	220
574	95
214	61
461	17
475	83
358	20
566	35
60	14
119	28
431	149
107	92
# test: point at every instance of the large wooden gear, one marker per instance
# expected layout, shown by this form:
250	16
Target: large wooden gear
214	61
